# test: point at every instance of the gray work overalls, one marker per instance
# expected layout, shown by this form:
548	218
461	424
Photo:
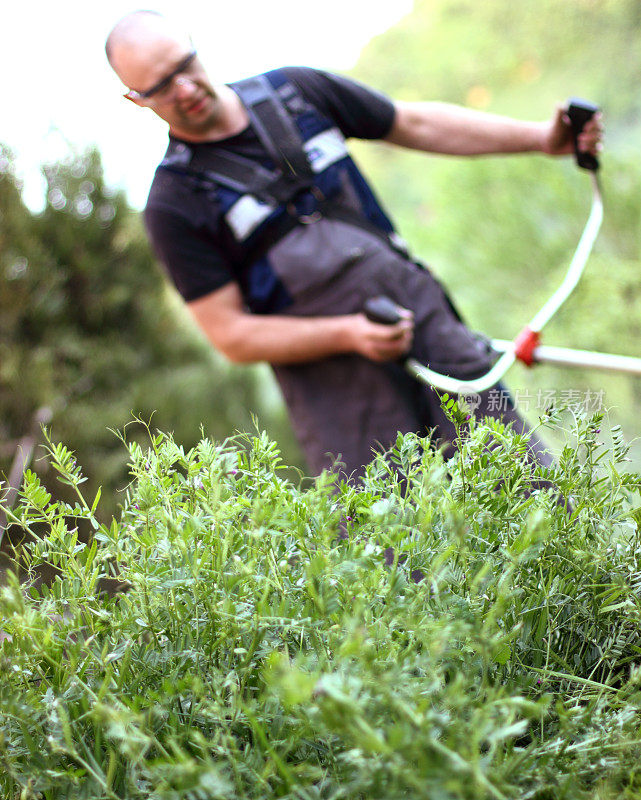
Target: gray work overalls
309	238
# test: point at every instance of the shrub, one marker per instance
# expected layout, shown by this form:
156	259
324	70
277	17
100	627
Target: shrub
442	630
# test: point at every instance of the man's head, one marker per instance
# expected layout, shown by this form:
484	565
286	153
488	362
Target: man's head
158	63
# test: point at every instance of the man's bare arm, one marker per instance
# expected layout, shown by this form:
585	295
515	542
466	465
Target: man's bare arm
244	337
454	130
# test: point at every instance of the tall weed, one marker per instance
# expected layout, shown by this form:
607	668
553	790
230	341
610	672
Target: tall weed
443	630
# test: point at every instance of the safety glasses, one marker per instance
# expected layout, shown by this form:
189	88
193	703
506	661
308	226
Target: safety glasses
161	89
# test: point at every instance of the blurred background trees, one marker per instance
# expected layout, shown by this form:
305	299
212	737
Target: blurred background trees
90	327
499	231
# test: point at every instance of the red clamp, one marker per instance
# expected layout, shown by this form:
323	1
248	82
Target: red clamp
525	344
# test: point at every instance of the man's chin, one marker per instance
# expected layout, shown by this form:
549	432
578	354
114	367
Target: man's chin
199	126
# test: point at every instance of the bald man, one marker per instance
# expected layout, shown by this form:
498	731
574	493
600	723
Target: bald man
275	240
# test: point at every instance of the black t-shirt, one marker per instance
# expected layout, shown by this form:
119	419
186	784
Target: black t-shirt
181	223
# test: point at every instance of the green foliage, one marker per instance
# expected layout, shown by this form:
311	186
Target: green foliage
89	328
516	58
446	630
501	232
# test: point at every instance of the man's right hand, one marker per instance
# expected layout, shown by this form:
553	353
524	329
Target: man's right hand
381	342
245	338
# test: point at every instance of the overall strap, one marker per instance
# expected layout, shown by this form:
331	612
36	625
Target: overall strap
275	127
278	134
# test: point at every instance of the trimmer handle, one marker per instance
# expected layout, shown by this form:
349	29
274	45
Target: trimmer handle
581	111
383	310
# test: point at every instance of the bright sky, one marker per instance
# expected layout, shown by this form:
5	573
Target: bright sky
57	88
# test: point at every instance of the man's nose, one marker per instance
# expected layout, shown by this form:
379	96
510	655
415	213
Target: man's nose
183	86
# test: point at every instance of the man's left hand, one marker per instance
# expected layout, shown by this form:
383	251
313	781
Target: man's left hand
558	139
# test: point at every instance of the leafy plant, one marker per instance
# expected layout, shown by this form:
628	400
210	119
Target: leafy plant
447	629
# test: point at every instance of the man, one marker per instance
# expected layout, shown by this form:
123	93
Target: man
275	240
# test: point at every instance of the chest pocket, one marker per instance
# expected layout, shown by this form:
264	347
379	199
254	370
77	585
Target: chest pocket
311	256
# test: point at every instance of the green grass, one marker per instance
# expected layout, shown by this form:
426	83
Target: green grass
266	649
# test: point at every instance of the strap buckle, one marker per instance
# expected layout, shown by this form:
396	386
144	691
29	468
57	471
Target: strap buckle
315	216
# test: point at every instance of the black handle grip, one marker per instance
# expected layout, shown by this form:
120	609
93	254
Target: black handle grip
581	111
383	310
